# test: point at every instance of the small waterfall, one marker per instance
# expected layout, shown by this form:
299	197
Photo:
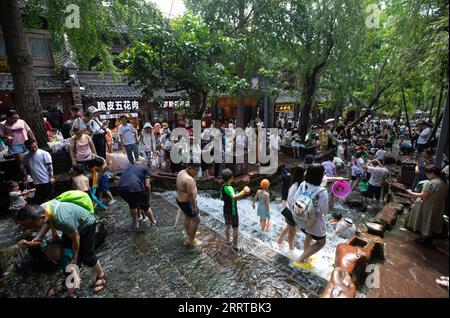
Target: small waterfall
249	226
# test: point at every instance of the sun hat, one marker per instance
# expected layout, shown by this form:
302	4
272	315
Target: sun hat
93	110
147	125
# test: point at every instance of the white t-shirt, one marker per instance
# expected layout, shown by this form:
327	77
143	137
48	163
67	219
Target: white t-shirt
423	137
127	134
37	165
379	155
340	152
344	230
291	195
16	200
377	175
329	168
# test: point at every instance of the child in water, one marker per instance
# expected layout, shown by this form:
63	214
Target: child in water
230	211
263	198
17	198
344	226
103	180
58	255
80	181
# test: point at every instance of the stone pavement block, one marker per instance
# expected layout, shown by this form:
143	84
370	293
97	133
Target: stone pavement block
387	216
352	259
375	228
398	206
401	199
379	243
340	285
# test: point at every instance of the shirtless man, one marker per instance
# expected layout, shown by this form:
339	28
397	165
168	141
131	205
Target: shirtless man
186	200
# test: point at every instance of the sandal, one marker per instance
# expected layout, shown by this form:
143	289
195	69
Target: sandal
99	284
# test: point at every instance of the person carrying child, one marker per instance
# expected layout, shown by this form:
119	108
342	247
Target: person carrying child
230	211
263	198
17	198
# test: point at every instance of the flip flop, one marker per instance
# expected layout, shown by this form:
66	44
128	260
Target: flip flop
306	266
310	259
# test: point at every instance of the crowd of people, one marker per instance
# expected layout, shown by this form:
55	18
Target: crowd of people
357	154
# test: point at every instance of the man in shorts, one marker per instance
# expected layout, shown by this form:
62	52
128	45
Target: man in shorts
187	201
135	189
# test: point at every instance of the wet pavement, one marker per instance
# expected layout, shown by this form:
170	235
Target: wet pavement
155	263
410	270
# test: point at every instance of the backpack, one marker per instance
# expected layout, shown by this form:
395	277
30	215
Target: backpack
77	197
304	212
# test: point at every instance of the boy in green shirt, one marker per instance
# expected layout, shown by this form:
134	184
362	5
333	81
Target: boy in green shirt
230	212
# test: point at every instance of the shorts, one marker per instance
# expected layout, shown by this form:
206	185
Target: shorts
289	218
86	254
44	192
17	149
186	207
421	147
373	191
88	164
232	220
103	184
316	238
284	194
135	199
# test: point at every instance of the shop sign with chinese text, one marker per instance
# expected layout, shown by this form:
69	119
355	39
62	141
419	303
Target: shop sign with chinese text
118	105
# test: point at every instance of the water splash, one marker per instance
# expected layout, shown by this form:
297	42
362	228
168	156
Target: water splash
249	225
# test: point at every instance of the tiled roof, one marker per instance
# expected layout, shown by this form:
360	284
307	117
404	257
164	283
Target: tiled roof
108	90
43	82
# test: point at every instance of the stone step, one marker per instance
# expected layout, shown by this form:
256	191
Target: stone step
310	281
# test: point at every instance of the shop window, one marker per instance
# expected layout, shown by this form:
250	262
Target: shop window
2	47
39	48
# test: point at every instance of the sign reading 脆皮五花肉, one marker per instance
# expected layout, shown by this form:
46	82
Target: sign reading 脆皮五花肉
284	108
118	105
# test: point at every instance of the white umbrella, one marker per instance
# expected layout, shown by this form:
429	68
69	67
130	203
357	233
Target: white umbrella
329	120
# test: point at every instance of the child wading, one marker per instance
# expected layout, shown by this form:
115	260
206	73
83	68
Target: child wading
263	198
230	211
17	198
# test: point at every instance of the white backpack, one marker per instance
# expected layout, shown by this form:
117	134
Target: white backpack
304	213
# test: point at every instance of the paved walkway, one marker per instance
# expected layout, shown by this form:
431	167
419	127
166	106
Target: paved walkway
410	270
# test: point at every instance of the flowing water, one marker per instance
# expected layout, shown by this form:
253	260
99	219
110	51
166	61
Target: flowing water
249	225
155	263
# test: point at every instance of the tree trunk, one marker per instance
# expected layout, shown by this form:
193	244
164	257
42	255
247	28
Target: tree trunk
305	114
26	96
240	71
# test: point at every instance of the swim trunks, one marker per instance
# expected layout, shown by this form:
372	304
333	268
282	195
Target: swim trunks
186	207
